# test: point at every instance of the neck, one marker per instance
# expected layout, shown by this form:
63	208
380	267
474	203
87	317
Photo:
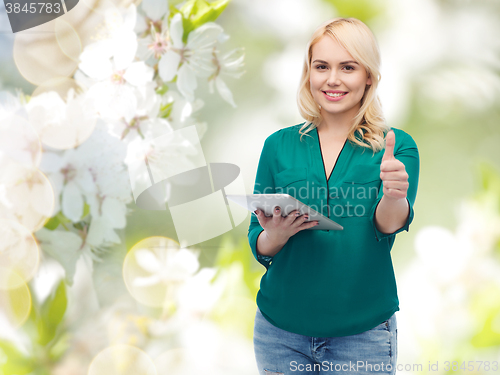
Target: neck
337	125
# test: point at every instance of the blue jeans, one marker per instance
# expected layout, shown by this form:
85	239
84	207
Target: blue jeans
280	352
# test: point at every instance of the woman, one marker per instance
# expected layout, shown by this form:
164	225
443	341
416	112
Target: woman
328	299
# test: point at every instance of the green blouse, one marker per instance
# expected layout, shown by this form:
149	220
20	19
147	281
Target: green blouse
330	283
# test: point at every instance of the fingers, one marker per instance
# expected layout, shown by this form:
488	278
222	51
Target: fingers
277	214
390	141
293	219
292	216
307	225
301	223
394	176
263	219
396	184
394	193
392	165
260	217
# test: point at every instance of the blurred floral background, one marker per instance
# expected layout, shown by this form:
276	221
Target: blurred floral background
91	284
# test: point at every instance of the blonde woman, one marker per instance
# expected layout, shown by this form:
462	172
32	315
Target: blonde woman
328	299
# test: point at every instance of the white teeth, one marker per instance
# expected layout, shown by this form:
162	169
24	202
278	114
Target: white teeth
336	95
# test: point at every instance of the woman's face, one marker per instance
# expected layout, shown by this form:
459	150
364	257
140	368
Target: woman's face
333	69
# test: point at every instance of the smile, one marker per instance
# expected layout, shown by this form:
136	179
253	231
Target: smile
334	97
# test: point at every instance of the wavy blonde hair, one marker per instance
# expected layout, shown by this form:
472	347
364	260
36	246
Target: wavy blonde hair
359	41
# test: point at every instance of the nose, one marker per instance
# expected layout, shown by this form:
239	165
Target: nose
333	79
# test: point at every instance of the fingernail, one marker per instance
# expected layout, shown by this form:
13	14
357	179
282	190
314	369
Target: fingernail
297	213
277	209
255	212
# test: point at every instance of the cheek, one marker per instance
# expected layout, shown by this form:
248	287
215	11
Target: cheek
315	89
360	82
314	81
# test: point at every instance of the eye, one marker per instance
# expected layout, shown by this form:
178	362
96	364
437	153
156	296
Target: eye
349	66
319	67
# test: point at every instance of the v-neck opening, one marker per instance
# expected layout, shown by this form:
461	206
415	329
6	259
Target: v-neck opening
323	159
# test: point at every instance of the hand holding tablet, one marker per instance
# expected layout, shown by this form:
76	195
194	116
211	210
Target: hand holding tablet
267	202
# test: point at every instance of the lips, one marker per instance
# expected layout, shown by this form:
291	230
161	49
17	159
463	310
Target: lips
334	99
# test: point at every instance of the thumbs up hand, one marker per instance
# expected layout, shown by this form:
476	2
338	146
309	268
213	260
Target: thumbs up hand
392	171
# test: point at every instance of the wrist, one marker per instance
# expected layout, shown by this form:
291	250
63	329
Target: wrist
391	200
275	241
267	246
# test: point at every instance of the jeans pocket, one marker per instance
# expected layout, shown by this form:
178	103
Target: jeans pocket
384	326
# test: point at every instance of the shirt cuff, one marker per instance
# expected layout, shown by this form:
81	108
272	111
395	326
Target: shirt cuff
265	260
378	234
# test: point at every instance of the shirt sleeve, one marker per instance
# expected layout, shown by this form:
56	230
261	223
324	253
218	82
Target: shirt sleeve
408	155
264	184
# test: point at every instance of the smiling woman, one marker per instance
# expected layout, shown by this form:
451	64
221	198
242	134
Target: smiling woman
331	296
336	77
342	57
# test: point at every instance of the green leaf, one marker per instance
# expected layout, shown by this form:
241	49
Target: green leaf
52	313
162	89
198	12
211	13
30	326
166	109
86	209
78	225
59	218
12	361
52	223
60	347
189	8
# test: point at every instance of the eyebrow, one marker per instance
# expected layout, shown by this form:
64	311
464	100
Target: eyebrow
343	62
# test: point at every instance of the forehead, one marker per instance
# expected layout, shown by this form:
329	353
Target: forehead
328	49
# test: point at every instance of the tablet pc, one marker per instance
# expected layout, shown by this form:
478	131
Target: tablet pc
267	202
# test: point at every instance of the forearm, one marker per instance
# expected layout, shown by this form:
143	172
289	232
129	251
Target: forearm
390	214
267	247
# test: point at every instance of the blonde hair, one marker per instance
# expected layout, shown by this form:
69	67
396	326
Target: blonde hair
359	41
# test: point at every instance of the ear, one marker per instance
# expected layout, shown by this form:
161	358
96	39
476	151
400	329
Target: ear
369	80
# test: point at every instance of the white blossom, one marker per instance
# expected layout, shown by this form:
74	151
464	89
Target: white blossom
115	78
60	124
145	122
19	142
229	64
11	104
182	111
26	195
68	246
195	58
94	172
154	11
